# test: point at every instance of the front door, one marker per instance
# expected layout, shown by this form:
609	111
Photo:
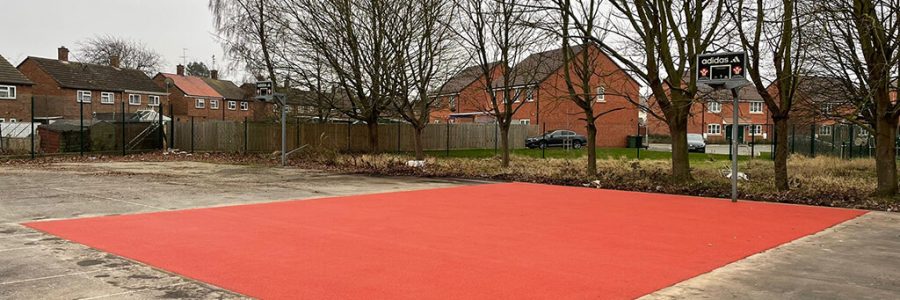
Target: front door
740	133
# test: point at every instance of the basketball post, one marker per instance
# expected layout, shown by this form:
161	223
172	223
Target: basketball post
726	71
265	92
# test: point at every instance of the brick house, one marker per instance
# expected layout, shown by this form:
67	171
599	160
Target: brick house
711	116
237	104
540	82
457	98
69	90
15	94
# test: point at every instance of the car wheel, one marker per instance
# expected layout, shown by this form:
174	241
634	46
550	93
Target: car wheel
576	145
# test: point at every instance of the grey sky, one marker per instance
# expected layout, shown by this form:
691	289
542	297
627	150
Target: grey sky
38	27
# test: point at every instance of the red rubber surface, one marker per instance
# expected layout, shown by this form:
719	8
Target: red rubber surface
510	241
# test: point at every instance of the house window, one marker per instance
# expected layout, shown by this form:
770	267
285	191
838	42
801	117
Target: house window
825	130
153	100
245	105
714	129
525	121
232	105
755	129
13	120
107	98
134	99
2	120
7	92
529	95
451	101
714	107
200	103
83	97
213	104
827	108
756	107
601	94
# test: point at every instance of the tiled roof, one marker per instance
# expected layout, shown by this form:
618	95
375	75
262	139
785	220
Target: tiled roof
10	75
192	86
226	88
463	79
537	67
76	75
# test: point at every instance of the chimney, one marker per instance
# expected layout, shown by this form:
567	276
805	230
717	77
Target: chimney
180	69
214	74
114	61
63	54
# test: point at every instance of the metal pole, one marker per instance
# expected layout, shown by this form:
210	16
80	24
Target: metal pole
172	126
752	140
192	134
32	127
734	145
160	128
638	141
812	140
283	131
81	126
123	127
544	149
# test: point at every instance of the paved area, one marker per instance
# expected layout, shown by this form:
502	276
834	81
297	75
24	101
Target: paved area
857	259
34	265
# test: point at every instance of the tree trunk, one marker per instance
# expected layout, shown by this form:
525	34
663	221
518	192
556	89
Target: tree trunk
885	155
420	152
504	146
782	150
373	136
681	165
591	150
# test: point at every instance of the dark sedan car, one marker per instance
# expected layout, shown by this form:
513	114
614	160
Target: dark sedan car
696	143
557	138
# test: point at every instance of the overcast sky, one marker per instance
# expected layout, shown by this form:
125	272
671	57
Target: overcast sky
39	27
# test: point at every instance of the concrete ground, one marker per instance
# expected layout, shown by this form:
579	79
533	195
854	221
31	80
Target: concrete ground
856	259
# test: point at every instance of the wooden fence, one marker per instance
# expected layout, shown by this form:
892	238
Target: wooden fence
231	136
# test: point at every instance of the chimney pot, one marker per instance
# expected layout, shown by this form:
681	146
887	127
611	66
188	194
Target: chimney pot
180	70
63	54
114	61
214	74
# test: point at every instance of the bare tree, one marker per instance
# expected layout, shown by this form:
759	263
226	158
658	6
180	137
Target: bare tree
585	68
860	47
131	54
353	38
423	45
496	34
247	34
661	41
775	30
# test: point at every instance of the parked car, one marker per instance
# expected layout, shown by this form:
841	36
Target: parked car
557	138
696	143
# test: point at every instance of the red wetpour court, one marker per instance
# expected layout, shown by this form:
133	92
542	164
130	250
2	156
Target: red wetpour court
506	241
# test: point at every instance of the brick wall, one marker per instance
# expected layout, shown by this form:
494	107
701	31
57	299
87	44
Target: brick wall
18	108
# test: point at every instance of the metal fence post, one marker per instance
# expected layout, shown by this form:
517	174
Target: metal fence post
793	138
172	126
192	134
161	127
124	143
850	144
753	141
833	134
448	139
298	133
812	140
246	135
638	142
32	127
543	149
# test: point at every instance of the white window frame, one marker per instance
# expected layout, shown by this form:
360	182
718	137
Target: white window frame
200	103
13	120
759	110
80	96
213	103
232	105
107	98
451	102
529	95
601	94
2	120
246	105
525	121
825	130
152	100
131	98
714	107
10	90
710	131
755	130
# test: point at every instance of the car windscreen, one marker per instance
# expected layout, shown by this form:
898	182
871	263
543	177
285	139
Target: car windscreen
694	138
